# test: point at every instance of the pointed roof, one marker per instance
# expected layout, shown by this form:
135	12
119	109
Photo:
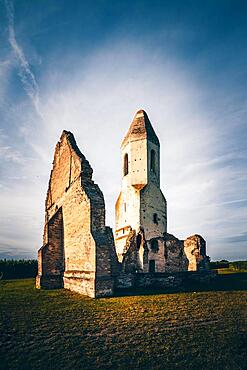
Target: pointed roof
141	128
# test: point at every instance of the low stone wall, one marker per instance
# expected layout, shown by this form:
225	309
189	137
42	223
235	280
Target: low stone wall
104	287
125	281
163	280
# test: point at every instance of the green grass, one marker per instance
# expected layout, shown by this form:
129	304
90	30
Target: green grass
230	270
63	330
226	270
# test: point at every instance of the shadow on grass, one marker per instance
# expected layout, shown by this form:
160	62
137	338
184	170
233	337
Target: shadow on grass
227	282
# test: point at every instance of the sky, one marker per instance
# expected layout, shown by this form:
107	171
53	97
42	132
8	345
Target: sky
87	67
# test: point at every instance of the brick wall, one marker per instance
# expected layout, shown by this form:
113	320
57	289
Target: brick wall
78	251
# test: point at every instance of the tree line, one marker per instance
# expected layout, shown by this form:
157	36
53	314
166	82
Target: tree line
236	265
17	269
20	269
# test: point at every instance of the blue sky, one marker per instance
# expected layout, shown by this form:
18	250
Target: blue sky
88	66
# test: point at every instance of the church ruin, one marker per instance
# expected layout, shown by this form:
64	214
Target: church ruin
79	251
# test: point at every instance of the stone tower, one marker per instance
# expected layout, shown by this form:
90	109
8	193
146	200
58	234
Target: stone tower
141	205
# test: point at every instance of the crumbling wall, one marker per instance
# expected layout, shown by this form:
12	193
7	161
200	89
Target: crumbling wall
155	253
195	250
87	242
165	254
134	252
175	257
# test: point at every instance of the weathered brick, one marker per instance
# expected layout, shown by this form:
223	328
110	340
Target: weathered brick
78	250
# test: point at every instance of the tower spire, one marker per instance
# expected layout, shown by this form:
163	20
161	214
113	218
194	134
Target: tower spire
141	128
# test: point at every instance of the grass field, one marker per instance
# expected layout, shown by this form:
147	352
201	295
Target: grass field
63	330
230	271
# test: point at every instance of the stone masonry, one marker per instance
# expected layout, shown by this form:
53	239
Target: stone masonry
78	250
170	254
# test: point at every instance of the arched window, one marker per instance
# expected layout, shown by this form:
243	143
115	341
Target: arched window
126	164
152	161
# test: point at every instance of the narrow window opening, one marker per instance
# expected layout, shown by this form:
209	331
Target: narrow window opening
152	162
138	241
155	218
126	164
152	266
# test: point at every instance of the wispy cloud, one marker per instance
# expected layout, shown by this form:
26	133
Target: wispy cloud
5	66
25	72
7	152
200	125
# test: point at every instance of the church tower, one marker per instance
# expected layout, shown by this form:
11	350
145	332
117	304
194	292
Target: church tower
141	205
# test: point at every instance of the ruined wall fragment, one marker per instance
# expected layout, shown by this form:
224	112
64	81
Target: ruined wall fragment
81	246
135	252
168	253
195	250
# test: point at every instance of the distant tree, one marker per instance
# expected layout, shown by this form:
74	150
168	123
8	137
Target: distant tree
219	264
239	265
17	269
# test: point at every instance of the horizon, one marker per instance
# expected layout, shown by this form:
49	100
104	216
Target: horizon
88	68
